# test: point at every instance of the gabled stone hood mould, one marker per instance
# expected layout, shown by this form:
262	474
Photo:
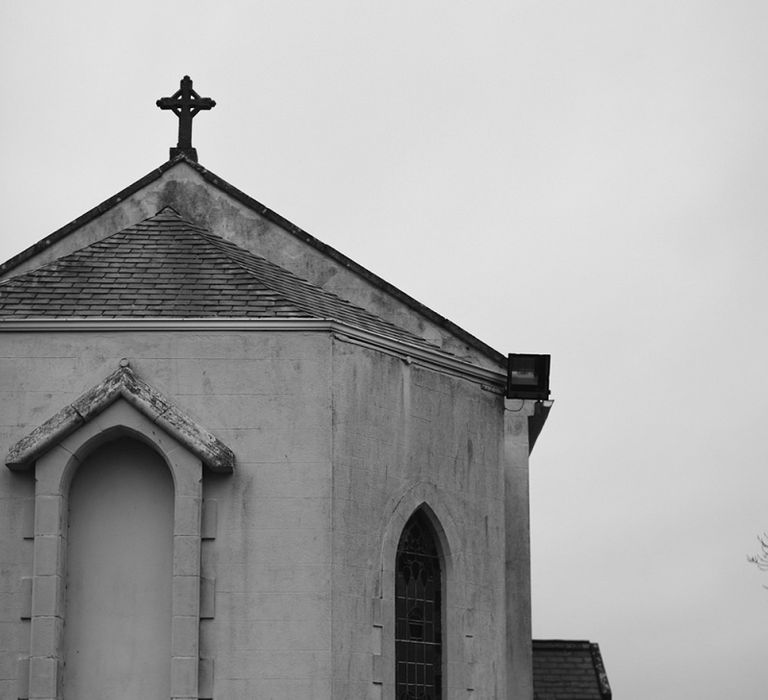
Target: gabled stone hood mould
123	383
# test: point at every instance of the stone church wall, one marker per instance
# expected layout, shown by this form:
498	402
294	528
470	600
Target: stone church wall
336	444
265	595
406	436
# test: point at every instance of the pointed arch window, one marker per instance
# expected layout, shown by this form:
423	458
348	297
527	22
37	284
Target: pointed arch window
418	613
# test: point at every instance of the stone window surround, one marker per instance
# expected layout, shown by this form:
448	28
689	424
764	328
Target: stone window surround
54	473
457	620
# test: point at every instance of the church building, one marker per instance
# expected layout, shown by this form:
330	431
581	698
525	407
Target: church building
240	466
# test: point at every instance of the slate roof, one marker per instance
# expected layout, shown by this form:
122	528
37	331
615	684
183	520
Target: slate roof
265	212
167	266
568	670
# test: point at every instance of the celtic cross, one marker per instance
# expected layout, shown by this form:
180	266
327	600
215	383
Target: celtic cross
185	103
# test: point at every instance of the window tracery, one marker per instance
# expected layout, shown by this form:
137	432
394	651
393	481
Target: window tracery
418	613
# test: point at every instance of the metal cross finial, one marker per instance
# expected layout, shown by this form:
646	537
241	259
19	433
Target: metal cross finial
185	103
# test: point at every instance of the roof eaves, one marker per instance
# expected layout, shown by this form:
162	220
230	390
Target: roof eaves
420	353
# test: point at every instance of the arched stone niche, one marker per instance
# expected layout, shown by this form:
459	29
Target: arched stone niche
119	559
429	499
128	407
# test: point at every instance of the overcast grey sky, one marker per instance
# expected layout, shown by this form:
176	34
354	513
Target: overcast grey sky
583	178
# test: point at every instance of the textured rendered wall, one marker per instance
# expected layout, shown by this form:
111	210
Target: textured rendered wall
266	550
298	544
403	435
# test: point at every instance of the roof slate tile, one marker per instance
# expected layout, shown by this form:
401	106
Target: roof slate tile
568	670
166	266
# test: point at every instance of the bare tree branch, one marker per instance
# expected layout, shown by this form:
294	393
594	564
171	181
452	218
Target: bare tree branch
760	560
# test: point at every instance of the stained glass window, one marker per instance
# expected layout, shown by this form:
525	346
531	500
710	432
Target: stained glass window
418	633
